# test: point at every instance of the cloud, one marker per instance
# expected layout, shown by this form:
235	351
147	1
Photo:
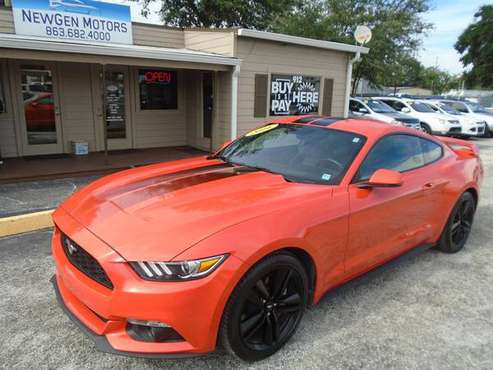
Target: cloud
450	18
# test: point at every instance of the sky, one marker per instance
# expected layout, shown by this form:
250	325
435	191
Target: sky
449	17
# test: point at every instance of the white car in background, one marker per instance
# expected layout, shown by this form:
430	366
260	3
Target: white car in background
378	110
470	126
431	121
474	110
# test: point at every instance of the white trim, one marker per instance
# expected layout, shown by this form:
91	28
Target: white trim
234	102
270	36
120	50
349	75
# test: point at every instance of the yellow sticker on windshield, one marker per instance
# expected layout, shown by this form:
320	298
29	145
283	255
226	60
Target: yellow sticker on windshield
262	129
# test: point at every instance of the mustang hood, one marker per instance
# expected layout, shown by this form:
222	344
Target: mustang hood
156	212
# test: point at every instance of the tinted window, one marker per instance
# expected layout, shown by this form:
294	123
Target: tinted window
396	152
158	89
420	107
397	105
299	153
431	151
380	107
355	106
458	106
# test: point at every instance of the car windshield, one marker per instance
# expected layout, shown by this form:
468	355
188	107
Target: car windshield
380	107
299	153
477	108
422	108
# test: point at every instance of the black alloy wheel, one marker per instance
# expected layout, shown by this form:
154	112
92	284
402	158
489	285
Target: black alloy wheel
266	307
459	225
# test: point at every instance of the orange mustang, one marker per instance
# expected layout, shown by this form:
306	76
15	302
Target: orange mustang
174	258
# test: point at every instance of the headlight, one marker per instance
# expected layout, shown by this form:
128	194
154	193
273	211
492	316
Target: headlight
395	122
177	271
442	121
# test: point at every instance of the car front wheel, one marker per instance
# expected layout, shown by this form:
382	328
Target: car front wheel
265	308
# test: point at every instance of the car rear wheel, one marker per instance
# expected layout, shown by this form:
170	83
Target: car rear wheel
265	308
459	225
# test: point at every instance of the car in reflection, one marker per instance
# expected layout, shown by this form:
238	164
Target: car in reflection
177	258
368	108
39	110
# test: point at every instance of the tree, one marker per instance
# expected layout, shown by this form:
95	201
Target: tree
396	24
476	46
439	81
223	13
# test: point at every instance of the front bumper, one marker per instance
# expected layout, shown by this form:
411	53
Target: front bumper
193	309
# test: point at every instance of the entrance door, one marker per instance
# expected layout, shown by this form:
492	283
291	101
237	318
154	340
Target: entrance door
116	100
39	113
207	107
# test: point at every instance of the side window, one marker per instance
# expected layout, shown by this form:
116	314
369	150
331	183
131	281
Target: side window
397	105
395	152
354	106
431	151
460	107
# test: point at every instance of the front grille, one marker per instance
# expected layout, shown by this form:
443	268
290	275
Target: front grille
84	262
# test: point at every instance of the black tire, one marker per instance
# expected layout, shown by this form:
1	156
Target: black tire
487	131
458	226
265	308
426	128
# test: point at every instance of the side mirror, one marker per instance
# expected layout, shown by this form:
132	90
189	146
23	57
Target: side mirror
405	110
383	179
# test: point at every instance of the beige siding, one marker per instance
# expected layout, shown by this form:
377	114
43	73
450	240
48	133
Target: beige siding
8	145
218	42
192	80
271	57
6	21
158	36
160	128
222	125
76	104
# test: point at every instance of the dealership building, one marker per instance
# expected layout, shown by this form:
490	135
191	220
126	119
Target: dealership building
81	72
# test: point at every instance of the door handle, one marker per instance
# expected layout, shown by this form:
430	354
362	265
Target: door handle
428	185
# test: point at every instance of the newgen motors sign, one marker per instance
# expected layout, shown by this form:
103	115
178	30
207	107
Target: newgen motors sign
81	20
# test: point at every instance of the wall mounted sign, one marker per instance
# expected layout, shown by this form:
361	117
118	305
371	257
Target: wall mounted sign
294	95
82	20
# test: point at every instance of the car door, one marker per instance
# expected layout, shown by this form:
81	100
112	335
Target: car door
385	222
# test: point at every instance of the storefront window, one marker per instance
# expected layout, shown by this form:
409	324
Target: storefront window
158	89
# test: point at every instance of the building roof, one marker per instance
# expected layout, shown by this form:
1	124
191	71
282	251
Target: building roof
13	41
321	44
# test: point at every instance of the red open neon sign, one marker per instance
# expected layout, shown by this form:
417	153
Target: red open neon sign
158	76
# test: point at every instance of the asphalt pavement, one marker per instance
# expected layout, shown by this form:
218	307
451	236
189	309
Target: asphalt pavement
432	311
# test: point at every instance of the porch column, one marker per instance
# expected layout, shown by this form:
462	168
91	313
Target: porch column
234	102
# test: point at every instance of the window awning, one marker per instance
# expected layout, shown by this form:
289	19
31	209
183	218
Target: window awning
12	41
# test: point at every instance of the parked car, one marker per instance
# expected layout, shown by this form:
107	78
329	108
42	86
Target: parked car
475	111
431	121
470	125
378	110
174	258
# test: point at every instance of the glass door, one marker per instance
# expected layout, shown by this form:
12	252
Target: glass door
40	113
116	108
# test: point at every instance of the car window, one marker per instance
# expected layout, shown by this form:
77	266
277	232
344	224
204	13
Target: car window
461	107
355	106
397	105
421	107
431	151
395	152
300	153
380	107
